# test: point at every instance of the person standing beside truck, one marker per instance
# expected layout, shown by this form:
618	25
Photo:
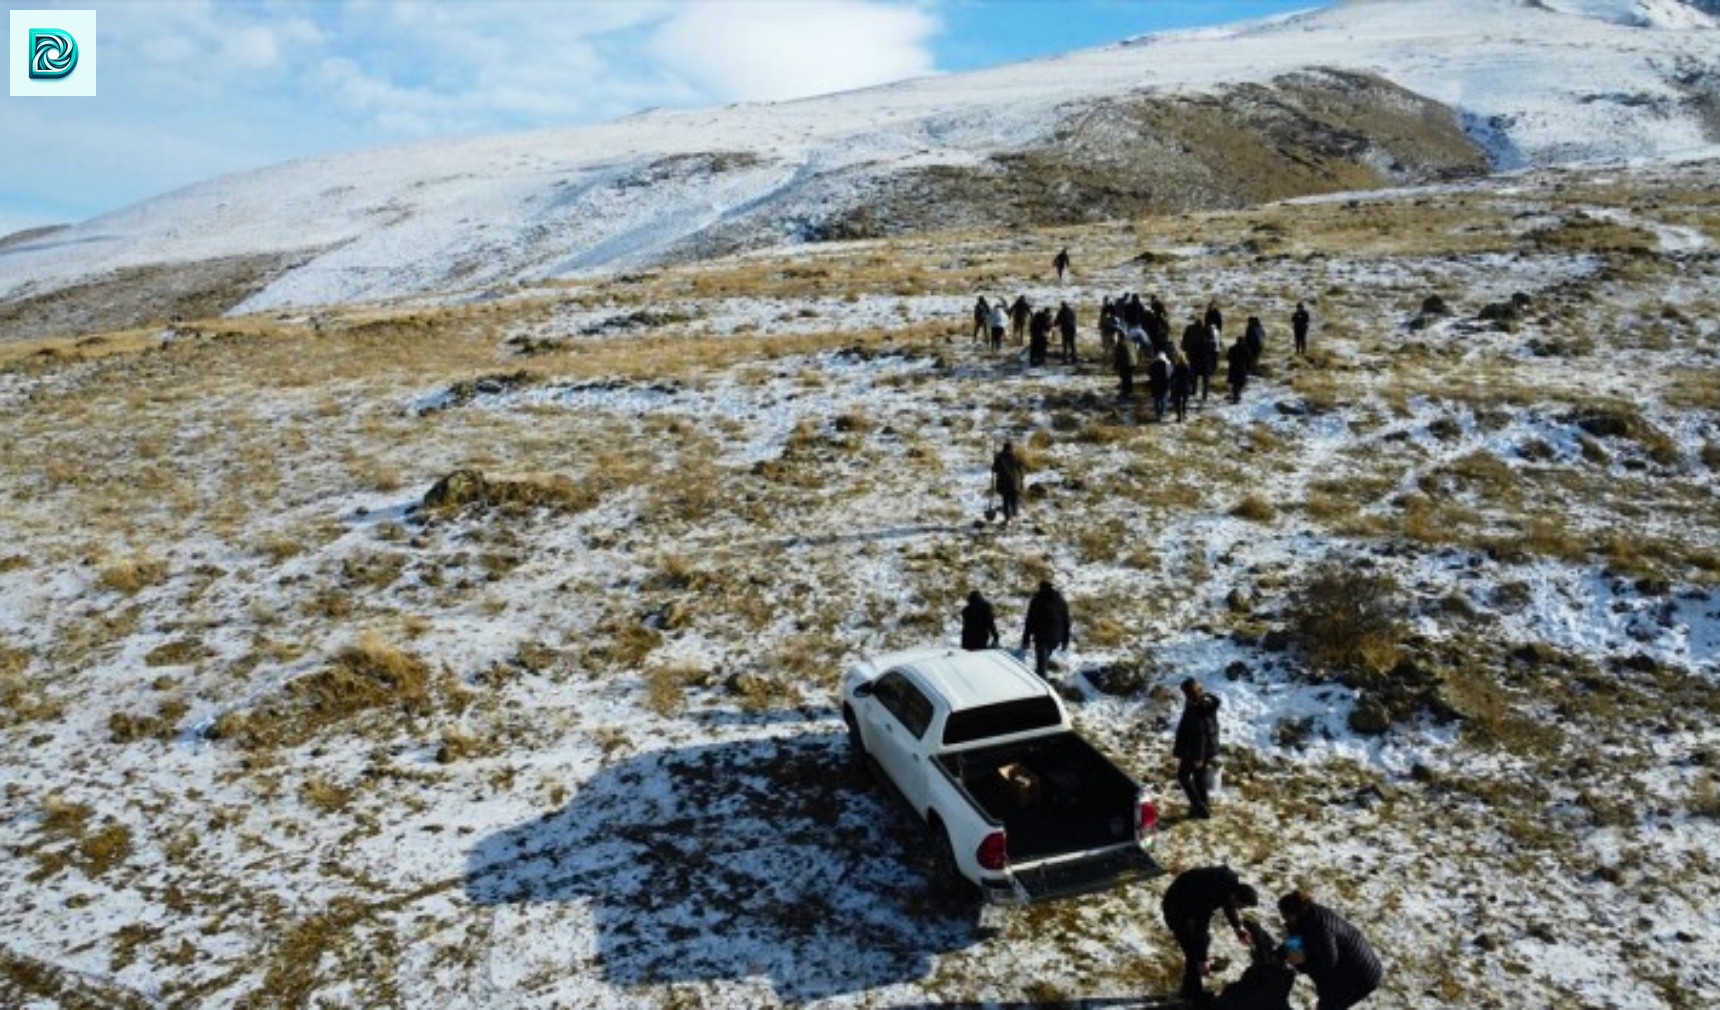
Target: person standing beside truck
1047	626
1188	906
1196	746
979	623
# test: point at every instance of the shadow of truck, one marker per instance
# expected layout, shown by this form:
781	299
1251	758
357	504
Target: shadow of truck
732	861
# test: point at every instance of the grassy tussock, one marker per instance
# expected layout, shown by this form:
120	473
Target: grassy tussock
131	575
1349	621
368	678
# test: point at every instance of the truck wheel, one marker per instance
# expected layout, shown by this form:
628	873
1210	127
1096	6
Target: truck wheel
856	745
949	888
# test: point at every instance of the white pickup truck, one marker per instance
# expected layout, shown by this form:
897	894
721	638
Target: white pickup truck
1018	804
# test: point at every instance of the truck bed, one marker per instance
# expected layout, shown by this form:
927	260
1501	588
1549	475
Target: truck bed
1054	795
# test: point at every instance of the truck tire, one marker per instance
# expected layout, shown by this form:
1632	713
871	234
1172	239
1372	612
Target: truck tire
949	889
856	745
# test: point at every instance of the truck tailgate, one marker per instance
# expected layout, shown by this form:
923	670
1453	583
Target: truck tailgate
1094	872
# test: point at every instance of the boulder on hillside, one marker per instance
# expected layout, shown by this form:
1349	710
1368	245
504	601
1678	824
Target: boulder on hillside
466	488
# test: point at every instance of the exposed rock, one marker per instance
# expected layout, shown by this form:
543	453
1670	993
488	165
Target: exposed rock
464	488
1434	306
1370	717
1118	679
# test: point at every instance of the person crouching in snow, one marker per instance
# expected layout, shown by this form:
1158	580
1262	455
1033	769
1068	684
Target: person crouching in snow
1330	951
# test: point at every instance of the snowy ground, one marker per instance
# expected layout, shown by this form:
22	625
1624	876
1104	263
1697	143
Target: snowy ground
272	737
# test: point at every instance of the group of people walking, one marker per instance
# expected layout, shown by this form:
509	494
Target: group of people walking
1135	337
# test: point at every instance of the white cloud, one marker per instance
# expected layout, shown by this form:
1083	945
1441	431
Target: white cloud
759	51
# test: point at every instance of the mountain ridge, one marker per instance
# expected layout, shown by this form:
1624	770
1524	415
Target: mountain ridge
668	184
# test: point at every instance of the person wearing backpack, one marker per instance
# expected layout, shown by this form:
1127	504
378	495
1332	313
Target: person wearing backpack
981	320
999	320
1060	263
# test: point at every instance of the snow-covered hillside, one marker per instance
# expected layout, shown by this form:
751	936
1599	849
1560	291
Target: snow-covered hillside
1535	82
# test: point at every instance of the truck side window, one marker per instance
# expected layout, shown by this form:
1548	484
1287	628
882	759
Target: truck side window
903	700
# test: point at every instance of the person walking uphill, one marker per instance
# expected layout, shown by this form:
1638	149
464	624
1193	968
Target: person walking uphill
1123	361
999	320
1006	479
1196	745
1019	312
1065	321
1039	338
1330	951
1060	263
979	624
1047	625
1188	906
981	320
1236	369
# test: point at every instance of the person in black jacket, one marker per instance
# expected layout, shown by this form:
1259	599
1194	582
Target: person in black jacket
1236	369
1299	326
1007	475
1254	338
1196	745
1065	321
981	319
1330	951
1039	337
1047	625
1194	348
1188	906
1266	982
1123	362
979	623
1182	383
1214	319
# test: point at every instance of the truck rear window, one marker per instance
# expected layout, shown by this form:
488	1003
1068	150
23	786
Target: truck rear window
1001	719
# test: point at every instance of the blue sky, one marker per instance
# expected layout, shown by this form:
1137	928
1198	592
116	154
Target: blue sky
190	89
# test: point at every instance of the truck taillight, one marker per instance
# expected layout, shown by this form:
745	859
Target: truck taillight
993	853
1149	819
